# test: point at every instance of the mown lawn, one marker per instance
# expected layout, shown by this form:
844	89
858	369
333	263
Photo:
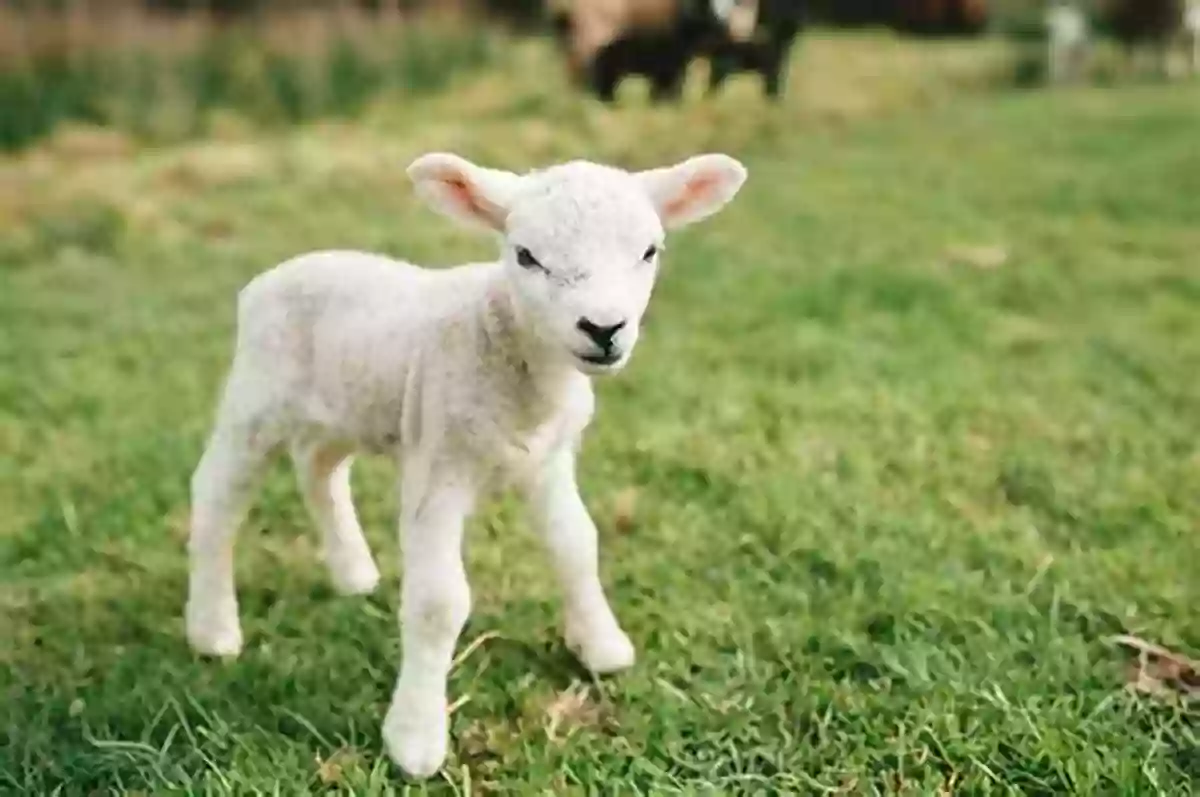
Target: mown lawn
871	506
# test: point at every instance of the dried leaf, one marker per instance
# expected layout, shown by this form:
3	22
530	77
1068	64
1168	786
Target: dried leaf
570	710
476	643
1158	671
984	257
473	742
625	509
330	770
481	740
178	521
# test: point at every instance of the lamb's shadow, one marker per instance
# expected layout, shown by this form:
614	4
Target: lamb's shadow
548	661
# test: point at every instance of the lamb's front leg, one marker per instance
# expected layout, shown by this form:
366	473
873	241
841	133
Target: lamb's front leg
570	535
435	600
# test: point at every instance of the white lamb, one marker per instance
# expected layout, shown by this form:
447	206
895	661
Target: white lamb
472	378
1068	34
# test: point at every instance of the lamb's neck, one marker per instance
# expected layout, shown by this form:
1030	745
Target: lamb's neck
512	350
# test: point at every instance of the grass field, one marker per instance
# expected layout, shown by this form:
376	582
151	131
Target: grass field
912	431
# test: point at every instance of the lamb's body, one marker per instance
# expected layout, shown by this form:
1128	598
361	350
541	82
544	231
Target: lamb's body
471	378
345	351
365	352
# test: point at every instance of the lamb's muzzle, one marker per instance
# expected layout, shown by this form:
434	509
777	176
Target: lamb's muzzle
471	378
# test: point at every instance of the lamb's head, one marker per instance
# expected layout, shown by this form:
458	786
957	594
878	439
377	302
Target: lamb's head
581	241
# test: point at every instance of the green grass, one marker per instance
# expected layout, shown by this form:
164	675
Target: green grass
890	505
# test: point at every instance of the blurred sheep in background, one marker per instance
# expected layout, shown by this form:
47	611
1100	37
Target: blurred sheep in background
608	40
756	36
1067	35
1191	28
1152	25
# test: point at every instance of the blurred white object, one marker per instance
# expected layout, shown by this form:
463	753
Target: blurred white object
723	8
1191	29
740	17
1067	27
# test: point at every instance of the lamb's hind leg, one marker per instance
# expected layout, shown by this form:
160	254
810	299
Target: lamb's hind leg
222	486
324	475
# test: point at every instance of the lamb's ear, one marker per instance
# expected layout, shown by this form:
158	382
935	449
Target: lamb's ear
694	189
469	194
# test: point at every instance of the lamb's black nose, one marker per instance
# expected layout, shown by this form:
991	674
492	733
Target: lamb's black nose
601	336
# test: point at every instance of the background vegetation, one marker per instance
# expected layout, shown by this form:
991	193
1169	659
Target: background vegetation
163	70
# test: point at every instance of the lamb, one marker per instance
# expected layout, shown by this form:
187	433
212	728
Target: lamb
1067	27
473	378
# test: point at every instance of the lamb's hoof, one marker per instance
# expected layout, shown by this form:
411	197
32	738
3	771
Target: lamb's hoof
351	567
416	743
603	653
360	578
211	635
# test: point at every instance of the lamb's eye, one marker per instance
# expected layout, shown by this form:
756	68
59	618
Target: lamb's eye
651	253
525	259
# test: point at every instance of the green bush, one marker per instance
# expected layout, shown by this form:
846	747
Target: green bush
163	94
36	95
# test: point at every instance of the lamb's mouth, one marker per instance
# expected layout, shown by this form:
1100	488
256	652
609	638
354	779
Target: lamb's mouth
604	359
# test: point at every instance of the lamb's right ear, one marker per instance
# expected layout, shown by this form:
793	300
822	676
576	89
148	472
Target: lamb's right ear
469	194
694	189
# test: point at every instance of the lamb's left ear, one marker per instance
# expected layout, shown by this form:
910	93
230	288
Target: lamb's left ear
467	193
694	189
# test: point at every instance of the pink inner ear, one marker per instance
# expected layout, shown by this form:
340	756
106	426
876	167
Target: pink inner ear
461	190
694	190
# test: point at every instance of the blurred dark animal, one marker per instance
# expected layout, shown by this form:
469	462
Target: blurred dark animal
934	17
852	13
924	17
753	36
608	40
1152	24
523	16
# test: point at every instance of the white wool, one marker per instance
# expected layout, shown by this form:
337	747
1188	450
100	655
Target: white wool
1191	30
471	377
739	16
1067	27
